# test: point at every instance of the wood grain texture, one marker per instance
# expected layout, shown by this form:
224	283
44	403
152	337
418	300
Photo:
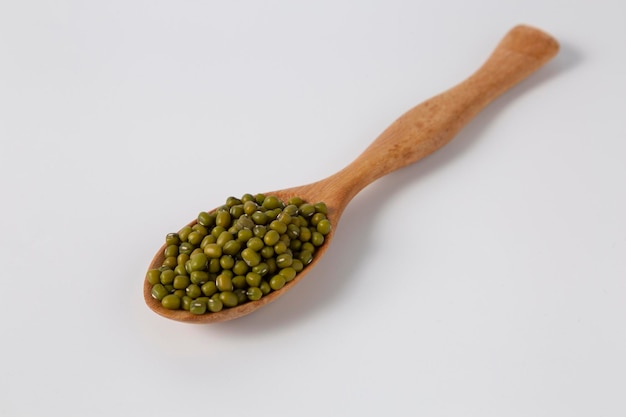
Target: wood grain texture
416	134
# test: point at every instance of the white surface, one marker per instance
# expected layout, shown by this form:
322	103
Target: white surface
487	280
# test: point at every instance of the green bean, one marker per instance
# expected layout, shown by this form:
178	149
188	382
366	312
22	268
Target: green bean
271	265
236	211
240	267
183	233
214	266
284	260
259	217
159	291
272	202
317	239
213	250
224	237
284	217
200	229
305	234
254	293
272	214
239	282
261	269
250	207
317	217
217	231
180	269
223	218
198	262
171	250
215	305
229	298
293	231
182	258
199	277
253	279
197	307
271	237
181	282
267	252
280	248
171	302
208	288
228	273
278	226
245	222
153	276
296	201
297	265
195	238
265	287
232	201
288	273
321	207
306	257
277	282
306	209
307	246
185	302
295	245
324	227
259	230
244	235
170	262
172	239
186	248
193	291
227	262
206	219
224	282
251	257
255	244
206	240
167	276
242	297
238	253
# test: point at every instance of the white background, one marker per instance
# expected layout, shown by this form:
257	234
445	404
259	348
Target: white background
487	280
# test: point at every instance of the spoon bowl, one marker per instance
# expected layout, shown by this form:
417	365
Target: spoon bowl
416	134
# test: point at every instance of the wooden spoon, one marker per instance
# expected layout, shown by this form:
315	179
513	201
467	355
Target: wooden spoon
416	134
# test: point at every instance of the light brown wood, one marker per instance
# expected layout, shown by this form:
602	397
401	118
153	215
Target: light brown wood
416	134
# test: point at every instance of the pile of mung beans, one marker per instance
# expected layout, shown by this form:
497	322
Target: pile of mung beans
240	252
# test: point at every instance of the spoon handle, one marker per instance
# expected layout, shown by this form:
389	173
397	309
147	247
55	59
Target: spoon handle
433	123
